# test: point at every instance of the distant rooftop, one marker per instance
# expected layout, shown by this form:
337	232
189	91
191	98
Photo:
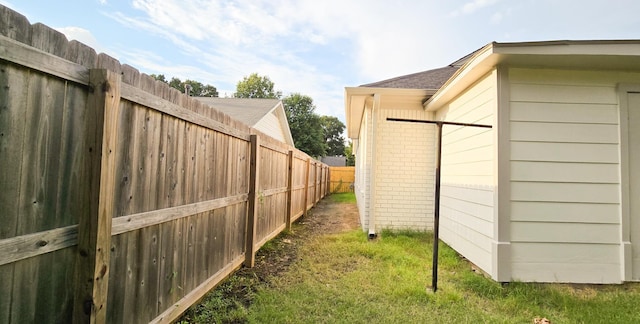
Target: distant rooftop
246	110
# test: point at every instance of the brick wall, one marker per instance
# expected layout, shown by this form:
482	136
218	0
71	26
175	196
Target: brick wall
405	171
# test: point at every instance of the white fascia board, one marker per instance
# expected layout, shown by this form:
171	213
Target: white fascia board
282	116
623	55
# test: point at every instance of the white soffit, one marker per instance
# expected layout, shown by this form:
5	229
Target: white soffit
356	99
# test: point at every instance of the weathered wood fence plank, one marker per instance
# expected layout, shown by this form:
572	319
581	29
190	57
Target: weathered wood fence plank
94	230
253	201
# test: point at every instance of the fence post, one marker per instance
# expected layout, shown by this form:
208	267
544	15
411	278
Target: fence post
289	187
315	183
94	228
306	186
321	180
252	210
327	189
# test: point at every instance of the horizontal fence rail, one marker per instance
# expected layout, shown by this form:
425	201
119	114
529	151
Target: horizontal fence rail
125	201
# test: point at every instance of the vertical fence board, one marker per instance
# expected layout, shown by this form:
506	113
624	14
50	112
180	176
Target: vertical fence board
134	248
14	25
40	157
13	107
253	201
124	171
306	186
12	125
81	54
118	279
38	185
153	122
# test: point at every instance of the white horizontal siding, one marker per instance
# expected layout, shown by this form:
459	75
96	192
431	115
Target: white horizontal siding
605	193
564	172
565	191
602	273
270	125
562	93
568	112
564	152
566	212
565	262
468	184
552	232
564	132
564	253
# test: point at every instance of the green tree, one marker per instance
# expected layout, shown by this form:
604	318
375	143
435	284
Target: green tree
333	129
306	126
159	77
348	152
197	89
255	86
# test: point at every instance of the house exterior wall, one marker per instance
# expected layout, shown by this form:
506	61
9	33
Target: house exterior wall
271	126
404	174
468	182
363	163
405	157
565	175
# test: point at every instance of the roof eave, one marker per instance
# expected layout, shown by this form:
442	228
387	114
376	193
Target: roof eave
356	98
476	66
282	116
609	54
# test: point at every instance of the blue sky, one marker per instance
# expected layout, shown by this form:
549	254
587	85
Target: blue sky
318	47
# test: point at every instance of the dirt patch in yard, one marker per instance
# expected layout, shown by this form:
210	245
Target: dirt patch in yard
327	217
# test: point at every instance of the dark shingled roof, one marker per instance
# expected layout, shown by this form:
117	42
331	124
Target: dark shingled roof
431	79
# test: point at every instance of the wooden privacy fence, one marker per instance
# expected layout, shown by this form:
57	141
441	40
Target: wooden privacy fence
342	179
123	200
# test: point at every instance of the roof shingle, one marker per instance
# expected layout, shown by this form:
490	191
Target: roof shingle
429	80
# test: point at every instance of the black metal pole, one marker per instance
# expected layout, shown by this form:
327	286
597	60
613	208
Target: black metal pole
436	214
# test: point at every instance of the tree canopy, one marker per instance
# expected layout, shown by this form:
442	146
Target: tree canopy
312	134
255	86
197	89
333	129
348	153
306	126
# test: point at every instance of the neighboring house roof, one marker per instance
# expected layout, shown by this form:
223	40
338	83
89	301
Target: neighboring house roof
258	113
334	160
246	110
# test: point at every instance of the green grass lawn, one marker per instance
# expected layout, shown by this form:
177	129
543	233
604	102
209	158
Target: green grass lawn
345	197
345	278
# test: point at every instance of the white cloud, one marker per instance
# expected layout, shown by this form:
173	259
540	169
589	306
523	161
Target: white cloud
499	16
82	35
472	6
277	37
